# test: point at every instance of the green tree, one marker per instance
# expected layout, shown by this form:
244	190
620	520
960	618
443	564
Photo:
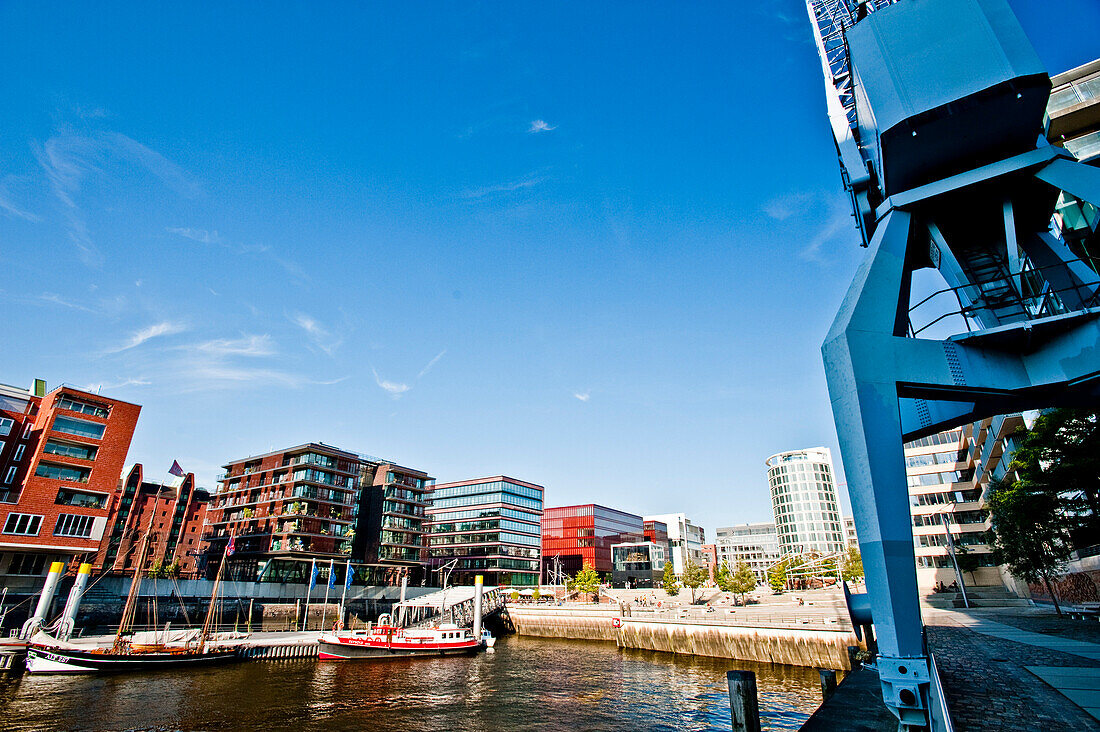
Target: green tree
1060	455
1030	531
967	560
694	578
587	582
777	577
156	569
852	566
669	583
724	578
743	580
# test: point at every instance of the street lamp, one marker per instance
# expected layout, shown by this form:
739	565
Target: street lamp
943	514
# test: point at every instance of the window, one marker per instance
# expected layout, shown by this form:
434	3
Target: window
22	524
69	524
27	430
73	405
10	476
62	472
31	564
18	453
70	449
6	424
79	427
66	497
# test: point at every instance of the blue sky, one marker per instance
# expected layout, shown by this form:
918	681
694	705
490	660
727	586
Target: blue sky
593	247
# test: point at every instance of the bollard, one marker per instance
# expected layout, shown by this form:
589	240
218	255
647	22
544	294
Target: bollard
744	707
828	683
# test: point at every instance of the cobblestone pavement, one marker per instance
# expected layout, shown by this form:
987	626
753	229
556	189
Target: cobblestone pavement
988	687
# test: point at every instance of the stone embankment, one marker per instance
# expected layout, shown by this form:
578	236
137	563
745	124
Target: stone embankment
791	642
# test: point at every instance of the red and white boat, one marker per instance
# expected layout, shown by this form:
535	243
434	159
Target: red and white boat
387	641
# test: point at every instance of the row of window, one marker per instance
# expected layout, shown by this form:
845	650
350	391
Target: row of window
957	517
459	501
75	405
6	423
495	486
25	524
938	499
935	458
79	427
940	438
953	476
485	513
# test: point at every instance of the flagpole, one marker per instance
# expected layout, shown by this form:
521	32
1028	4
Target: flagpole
328	586
344	599
309	593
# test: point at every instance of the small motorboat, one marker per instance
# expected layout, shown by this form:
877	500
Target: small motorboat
387	641
487	639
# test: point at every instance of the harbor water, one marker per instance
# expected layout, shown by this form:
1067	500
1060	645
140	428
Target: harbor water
523	684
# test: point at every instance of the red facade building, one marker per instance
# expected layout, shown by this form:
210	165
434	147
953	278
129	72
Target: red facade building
173	513
576	535
61	455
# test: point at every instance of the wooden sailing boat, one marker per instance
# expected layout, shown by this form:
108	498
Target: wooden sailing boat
47	655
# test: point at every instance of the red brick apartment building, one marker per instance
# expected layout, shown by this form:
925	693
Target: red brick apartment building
61	455
316	502
174	513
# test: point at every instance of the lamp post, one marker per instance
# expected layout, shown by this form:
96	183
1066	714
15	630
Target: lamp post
951	550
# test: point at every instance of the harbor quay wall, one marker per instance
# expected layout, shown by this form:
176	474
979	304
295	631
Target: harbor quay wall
816	648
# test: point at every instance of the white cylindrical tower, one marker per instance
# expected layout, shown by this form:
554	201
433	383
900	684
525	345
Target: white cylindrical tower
804	501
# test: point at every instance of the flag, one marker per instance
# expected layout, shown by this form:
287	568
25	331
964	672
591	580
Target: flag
176	470
231	546
350	574
313	576
331	575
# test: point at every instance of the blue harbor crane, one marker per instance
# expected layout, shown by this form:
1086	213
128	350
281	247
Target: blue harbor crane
938	108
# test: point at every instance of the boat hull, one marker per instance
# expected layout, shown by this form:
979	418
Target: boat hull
51	660
337	651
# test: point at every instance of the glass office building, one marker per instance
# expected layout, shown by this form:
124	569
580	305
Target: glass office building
487	526
804	501
575	535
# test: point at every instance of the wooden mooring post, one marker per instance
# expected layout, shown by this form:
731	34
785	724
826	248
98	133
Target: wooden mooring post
744	706
828	683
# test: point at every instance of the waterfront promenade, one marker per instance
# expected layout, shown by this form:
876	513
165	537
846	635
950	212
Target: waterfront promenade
1003	670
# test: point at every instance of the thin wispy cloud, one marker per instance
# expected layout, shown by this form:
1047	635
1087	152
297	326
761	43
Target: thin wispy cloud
7	198
98	387
200	235
431	363
156	330
583	396
212	237
254	346
783	207
509	187
67	159
394	388
539	125
55	299
321	336
397	388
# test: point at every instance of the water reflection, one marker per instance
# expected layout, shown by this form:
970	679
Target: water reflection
526	684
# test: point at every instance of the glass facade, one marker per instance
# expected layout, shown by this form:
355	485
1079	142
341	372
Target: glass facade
804	501
757	545
574	535
488	527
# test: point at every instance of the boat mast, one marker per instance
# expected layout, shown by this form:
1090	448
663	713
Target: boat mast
129	610
213	596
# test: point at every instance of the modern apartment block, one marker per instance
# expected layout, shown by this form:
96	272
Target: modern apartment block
282	507
392	512
61	455
685	540
173	512
757	545
948	474
850	536
804	501
575	535
486	526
